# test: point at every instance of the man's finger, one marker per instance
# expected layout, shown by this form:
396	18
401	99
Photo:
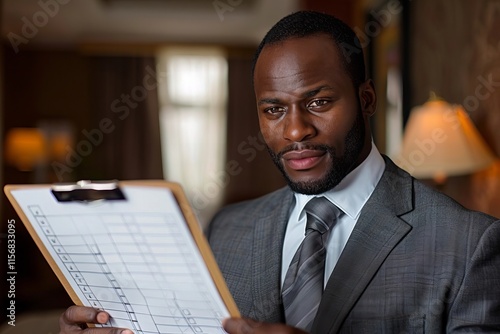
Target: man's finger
81	315
76	316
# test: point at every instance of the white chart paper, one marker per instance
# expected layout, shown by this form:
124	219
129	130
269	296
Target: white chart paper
134	258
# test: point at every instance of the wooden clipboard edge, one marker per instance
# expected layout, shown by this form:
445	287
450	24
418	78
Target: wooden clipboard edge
187	212
39	243
198	236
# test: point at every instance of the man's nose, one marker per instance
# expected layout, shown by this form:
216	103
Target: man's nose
299	125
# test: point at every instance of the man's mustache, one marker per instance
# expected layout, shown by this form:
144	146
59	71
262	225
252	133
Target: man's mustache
303	146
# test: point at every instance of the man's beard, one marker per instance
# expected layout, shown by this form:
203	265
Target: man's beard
340	166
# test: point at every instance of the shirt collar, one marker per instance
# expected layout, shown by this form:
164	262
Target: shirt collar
351	194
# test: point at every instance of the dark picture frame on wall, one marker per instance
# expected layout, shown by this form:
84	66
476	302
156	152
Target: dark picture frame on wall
385	40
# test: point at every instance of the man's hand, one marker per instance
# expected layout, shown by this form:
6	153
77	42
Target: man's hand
74	321
248	326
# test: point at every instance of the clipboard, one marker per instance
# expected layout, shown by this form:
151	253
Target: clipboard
111	221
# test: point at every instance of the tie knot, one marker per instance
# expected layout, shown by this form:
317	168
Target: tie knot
321	214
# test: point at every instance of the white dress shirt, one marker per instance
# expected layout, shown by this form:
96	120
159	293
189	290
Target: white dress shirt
350	195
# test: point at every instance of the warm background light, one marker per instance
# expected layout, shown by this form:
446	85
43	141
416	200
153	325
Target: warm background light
25	148
440	140
58	145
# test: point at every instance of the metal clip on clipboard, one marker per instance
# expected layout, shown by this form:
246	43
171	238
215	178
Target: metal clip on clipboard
87	191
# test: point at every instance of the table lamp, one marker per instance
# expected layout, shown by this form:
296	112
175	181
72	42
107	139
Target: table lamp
440	140
25	148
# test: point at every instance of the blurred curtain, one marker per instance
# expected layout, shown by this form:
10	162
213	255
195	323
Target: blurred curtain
193	123
126	113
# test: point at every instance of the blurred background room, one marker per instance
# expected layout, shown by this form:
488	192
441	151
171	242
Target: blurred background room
162	89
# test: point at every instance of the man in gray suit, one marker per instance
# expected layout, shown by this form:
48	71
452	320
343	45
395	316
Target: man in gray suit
400	258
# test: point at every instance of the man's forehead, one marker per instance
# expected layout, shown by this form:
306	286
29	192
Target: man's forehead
315	52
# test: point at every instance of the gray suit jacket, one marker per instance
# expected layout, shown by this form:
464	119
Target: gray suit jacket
416	262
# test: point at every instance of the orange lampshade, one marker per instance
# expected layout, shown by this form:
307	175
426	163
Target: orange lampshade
25	148
440	140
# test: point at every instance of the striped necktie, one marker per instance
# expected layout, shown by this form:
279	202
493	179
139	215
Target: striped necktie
304	280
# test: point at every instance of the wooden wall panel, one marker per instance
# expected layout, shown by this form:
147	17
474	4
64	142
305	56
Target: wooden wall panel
455	51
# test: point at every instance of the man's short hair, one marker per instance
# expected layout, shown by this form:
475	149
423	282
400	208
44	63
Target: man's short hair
308	23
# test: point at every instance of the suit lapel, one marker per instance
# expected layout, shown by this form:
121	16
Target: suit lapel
378	230
268	239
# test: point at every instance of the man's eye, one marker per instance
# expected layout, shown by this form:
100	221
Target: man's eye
275	110
317	103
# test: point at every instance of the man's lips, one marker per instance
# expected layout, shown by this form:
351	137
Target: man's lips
303	159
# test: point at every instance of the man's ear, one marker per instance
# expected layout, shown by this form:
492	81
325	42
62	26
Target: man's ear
368	97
